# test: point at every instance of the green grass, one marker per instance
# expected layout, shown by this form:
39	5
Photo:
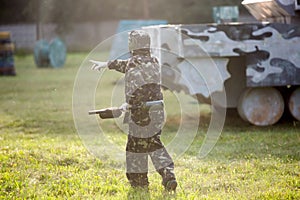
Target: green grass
42	157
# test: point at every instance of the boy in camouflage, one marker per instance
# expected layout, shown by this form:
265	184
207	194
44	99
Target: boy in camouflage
142	84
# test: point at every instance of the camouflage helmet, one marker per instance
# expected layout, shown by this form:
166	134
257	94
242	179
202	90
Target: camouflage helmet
138	39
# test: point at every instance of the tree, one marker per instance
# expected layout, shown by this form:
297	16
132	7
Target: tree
66	12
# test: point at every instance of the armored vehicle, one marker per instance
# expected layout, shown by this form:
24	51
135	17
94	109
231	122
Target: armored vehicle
258	64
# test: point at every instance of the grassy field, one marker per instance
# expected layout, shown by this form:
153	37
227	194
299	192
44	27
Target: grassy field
42	156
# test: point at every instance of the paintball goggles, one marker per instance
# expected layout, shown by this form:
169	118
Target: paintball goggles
115	112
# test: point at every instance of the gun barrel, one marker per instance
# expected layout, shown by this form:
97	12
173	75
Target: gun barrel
154	103
94	112
106	113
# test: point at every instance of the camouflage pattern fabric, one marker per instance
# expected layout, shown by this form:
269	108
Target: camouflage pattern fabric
142	84
269	53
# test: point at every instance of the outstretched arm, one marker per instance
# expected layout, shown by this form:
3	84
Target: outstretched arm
118	65
97	65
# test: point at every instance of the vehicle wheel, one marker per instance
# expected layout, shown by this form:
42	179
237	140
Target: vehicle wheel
294	104
261	106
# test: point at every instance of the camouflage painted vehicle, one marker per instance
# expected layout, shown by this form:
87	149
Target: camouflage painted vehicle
259	63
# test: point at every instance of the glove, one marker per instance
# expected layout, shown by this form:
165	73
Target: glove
97	65
124	107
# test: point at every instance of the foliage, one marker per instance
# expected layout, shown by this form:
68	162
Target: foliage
67	11
42	157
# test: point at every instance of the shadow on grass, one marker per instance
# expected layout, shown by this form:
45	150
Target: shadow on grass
242	140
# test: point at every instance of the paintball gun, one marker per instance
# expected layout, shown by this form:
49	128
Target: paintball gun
115	112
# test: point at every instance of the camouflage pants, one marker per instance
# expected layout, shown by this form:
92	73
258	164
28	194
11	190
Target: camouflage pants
137	152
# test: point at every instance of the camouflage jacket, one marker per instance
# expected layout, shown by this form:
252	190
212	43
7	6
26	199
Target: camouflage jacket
142	84
142	78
